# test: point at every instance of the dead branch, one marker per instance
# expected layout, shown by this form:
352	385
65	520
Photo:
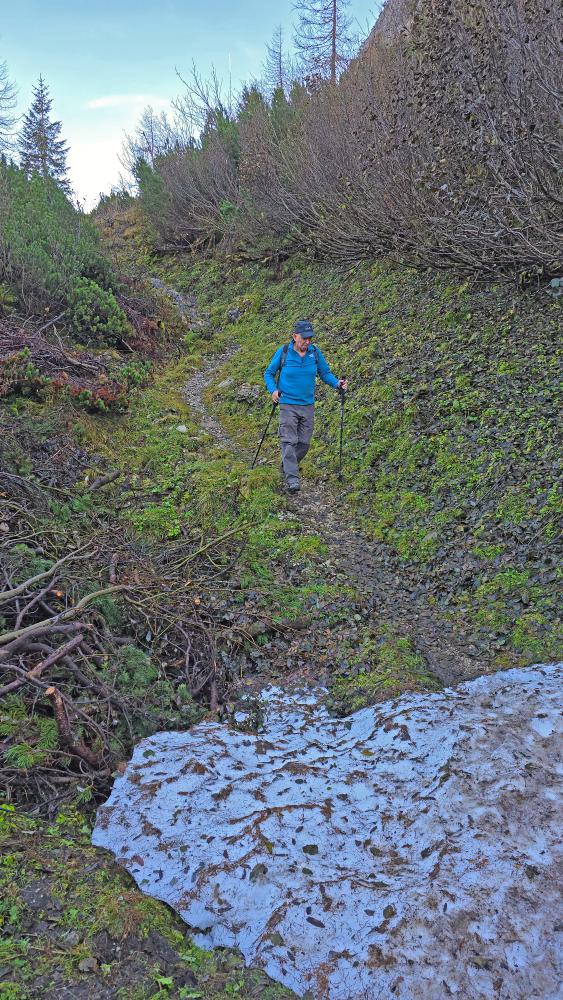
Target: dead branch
65	734
53	658
53	624
104	480
9	595
50	322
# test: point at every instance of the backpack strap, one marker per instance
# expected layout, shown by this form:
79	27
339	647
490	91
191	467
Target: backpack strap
283	356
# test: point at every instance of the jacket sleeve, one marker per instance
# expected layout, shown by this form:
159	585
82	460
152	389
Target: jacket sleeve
324	371
272	370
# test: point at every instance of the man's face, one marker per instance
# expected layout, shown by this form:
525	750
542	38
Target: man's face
300	342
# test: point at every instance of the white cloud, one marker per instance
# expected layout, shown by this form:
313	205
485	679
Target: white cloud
96	142
127	101
94	167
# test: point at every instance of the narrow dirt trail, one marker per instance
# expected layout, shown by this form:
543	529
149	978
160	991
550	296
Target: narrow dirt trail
389	596
193	395
390	599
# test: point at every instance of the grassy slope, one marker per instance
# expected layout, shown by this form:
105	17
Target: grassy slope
451	428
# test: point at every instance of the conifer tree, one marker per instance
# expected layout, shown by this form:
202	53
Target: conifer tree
322	37
41	150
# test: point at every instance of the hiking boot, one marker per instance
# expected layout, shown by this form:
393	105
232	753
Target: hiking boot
293	487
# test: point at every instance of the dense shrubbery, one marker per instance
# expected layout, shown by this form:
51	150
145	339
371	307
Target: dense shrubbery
94	314
439	147
45	243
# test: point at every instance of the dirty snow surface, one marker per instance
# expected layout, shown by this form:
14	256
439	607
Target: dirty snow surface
408	851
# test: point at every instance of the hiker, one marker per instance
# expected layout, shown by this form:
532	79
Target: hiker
297	365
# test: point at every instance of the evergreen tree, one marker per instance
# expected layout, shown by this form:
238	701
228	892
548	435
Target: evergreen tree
41	150
322	37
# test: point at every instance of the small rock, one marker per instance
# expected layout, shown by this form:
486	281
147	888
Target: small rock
71	938
258	872
182	429
87	965
248	393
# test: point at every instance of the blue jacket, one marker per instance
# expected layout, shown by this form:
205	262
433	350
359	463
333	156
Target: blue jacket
297	379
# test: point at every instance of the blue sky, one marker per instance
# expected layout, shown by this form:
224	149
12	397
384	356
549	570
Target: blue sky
105	60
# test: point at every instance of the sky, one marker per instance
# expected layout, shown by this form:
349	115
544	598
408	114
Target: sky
105	60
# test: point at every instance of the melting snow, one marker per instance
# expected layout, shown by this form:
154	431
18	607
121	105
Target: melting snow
408	851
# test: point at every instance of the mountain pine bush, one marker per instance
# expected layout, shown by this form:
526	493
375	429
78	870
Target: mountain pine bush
95	316
45	243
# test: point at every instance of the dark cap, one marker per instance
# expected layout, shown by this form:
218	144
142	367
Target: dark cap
304	327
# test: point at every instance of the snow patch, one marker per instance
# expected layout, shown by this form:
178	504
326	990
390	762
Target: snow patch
409	850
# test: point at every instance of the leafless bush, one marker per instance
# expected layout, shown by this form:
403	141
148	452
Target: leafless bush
201	192
8	101
440	146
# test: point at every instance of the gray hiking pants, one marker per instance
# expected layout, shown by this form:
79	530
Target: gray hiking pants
296	430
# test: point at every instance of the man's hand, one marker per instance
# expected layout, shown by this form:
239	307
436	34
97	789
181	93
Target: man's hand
343	384
276	396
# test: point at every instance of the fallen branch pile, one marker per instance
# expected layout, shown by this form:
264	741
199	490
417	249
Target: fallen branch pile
31	364
101	643
50	358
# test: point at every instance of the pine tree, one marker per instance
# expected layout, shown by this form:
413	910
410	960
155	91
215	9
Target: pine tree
41	150
322	37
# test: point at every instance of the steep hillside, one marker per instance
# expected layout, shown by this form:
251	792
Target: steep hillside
451	447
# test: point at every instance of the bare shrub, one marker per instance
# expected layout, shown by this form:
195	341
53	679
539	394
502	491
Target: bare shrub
440	146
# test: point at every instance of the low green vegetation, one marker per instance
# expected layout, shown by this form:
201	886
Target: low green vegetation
94	314
70	919
47	247
382	666
451	453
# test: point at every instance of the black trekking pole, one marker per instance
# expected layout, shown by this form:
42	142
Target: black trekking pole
342	394
263	436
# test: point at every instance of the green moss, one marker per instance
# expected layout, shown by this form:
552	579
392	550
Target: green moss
450	422
85	896
385	665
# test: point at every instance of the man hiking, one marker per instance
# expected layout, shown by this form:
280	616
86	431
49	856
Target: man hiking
297	364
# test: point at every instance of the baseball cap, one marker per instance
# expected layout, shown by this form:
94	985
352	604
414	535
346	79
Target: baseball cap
304	327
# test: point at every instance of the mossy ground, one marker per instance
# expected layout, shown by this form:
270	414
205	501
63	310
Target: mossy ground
452	461
72	922
451	456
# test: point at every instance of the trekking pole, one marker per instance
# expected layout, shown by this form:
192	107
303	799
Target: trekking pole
342	394
263	436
